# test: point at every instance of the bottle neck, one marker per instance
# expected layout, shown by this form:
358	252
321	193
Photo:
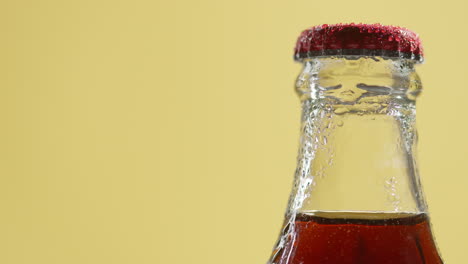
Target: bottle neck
358	137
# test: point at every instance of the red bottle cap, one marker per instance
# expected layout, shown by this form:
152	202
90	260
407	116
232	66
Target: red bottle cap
359	40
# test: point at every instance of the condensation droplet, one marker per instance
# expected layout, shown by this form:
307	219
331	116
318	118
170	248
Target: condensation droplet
341	110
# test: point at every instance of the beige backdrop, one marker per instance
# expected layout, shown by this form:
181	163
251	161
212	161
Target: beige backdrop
166	131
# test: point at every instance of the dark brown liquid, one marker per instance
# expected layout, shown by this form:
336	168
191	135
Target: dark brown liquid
359	238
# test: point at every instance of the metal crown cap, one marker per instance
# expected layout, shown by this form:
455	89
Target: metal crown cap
359	40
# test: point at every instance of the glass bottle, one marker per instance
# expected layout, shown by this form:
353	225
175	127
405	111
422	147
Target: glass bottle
357	198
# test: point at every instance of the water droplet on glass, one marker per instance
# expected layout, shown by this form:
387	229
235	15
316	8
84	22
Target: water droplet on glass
341	110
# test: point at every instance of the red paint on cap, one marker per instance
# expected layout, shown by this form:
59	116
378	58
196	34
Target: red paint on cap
359	39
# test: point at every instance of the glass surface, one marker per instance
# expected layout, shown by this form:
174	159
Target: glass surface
357	197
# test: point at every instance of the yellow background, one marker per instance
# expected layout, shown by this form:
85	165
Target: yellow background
166	131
